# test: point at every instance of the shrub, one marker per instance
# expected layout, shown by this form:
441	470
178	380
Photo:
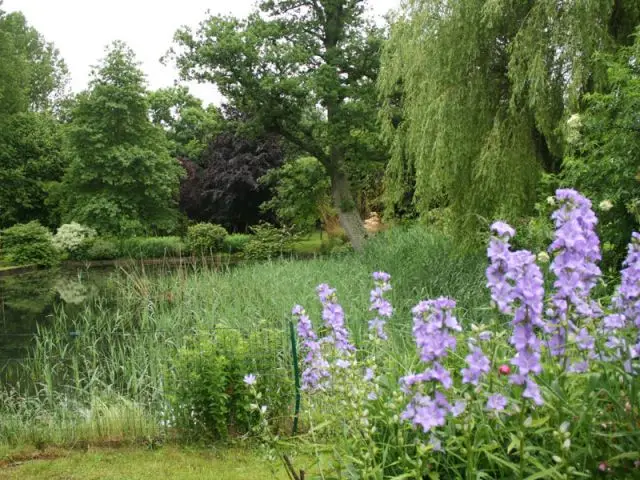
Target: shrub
236	242
70	237
29	244
101	249
269	242
204	238
152	247
206	389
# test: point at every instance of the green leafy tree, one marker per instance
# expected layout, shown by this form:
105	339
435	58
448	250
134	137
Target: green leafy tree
475	93
188	125
302	192
31	158
122	179
304	69
604	156
32	80
32	74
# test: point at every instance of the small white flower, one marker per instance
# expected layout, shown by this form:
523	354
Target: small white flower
605	205
250	379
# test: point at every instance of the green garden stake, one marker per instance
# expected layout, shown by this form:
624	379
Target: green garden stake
296	375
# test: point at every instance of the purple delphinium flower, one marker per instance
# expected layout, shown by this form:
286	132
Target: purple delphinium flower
478	365
458	408
316	371
516	284
532	392
426	412
496	402
333	317
576	250
433	324
498	271
626	301
380	305
249	379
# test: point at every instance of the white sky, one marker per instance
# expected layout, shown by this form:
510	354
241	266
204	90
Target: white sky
81	29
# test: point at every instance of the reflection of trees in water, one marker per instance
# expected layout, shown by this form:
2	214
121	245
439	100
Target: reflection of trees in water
74	290
31	300
26	301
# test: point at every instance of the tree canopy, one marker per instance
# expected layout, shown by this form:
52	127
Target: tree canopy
121	178
222	186
32	74
188	125
304	69
32	81
603	160
476	92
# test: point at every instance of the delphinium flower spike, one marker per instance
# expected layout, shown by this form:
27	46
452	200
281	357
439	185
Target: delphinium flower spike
316	372
626	302
433	324
516	284
576	251
333	317
380	305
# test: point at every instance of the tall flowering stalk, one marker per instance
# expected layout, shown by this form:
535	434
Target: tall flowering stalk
433	327
316	372
626	302
516	285
333	317
380	305
576	251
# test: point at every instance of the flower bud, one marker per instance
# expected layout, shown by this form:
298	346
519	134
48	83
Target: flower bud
543	257
605	205
504	369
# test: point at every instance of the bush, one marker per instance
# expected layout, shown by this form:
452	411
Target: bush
204	238
70	237
206	386
152	247
236	242
101	249
29	244
269	242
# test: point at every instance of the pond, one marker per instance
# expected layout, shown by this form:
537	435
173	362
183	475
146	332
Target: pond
29	301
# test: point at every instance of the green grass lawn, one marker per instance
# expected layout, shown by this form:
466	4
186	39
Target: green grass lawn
138	463
310	244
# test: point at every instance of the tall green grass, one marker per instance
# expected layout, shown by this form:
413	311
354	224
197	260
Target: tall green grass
121	346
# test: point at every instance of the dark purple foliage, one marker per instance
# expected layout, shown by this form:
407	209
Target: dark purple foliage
223	187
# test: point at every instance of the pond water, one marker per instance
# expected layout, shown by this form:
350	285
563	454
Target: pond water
30	300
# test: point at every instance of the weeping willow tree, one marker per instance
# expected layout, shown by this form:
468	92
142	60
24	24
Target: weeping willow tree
475	93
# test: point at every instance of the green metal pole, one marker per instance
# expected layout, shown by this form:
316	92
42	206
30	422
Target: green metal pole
296	376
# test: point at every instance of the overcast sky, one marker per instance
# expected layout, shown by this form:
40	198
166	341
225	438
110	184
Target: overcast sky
82	28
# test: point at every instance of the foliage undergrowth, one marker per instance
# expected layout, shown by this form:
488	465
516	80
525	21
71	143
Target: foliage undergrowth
125	346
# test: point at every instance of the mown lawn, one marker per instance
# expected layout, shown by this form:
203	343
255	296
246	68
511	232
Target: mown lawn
142	464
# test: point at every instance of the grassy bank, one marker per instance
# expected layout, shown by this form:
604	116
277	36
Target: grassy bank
141	464
103	374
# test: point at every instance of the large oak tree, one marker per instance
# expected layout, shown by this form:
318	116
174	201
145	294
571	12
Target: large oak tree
303	69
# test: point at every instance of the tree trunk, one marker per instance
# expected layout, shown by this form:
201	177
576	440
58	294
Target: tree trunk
347	212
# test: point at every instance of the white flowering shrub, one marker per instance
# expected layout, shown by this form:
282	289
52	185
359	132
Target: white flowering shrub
70	236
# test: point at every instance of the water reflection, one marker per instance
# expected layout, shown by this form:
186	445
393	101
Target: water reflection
29	301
